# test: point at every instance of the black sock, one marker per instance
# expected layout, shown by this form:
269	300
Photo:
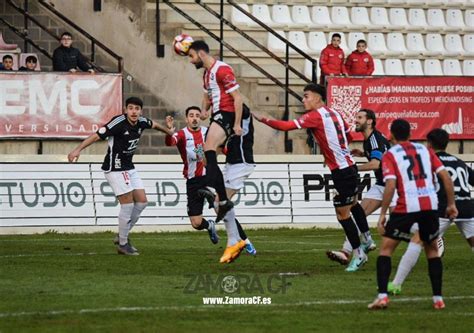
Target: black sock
214	175
360	218
435	269
351	232
242	234
384	268
204	225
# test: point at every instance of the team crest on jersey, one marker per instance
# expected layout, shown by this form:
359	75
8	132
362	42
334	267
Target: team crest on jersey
126	133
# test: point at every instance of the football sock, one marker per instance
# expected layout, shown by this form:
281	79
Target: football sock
214	175
351	232
124	217
231	228
138	208
384	266
435	270
407	263
242	233
204	224
437	298
361	222
346	247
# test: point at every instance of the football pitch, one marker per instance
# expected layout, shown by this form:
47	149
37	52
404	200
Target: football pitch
77	283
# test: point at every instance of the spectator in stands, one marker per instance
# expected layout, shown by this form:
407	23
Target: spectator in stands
7	62
360	62
30	64
332	59
67	58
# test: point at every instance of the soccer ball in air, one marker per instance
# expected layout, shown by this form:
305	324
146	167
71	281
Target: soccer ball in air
181	44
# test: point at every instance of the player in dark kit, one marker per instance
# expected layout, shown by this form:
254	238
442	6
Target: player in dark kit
123	133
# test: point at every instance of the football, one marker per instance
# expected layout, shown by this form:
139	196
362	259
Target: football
181	44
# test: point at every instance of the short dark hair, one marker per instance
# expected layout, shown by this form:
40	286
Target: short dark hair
438	139
135	101
336	35
361	41
400	129
192	108
7	56
31	58
199	45
316	88
369	114
66	33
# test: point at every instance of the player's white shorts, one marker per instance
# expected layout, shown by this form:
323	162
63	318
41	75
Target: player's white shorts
236	174
376	193
465	226
124	181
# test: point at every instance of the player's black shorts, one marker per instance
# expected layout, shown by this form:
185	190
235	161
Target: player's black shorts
399	225
225	120
345	181
195	201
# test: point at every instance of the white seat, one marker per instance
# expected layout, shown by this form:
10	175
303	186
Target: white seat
415	44
300	15
377	44
308	69
416	2
379	17
395	2
317	41
432	67
239	18
393	67
357	1
340	18
298	38
416	19
453	45
396	43
413	67
262	13
452	67
23	57
455	3
281	15
274	44
434	45
343	44
468	42
469	20
436	2
376	1
360	17
398	18
320	16
378	67
435	19
468	67
454	20
353	38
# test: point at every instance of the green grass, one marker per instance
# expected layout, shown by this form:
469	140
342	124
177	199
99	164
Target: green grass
46	280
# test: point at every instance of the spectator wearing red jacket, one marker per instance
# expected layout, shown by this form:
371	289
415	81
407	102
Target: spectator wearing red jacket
360	62
332	59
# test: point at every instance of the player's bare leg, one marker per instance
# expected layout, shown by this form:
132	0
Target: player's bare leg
200	223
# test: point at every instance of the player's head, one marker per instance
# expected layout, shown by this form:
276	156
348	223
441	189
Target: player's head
336	40
400	130
31	62
193	117
365	118
361	45
133	108
438	139
314	95
66	39
197	51
7	61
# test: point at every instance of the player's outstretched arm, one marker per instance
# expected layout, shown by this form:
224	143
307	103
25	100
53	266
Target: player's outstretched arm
238	104
73	156
281	125
451	210
374	164
157	126
171	140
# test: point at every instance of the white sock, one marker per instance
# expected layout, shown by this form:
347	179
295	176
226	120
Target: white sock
247	241
382	295
407	263
231	228
366	237
347	247
138	208
359	252
124	217
437	298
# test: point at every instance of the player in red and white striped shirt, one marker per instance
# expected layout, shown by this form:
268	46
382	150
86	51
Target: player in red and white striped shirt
332	134
409	168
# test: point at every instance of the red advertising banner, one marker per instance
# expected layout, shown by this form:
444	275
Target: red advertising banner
57	105
426	102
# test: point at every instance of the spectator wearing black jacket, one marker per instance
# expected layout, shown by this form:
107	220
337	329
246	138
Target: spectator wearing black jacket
69	59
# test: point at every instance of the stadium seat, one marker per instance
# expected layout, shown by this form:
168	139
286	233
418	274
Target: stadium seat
281	15
415	44
298	38
454	20
455	3
398	18
376	1
468	67
378	67
435	19
413	67
357	1
343	44
320	16
393	67
416	19
453	45
436	3
261	12
469	20
308	69
300	15
432	67
415	2
396	2
468	42
239	18
274	44
396	44
360	17
377	44
379	17
4	46
434	45
317	42
23	57
340	18
353	38
452	67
